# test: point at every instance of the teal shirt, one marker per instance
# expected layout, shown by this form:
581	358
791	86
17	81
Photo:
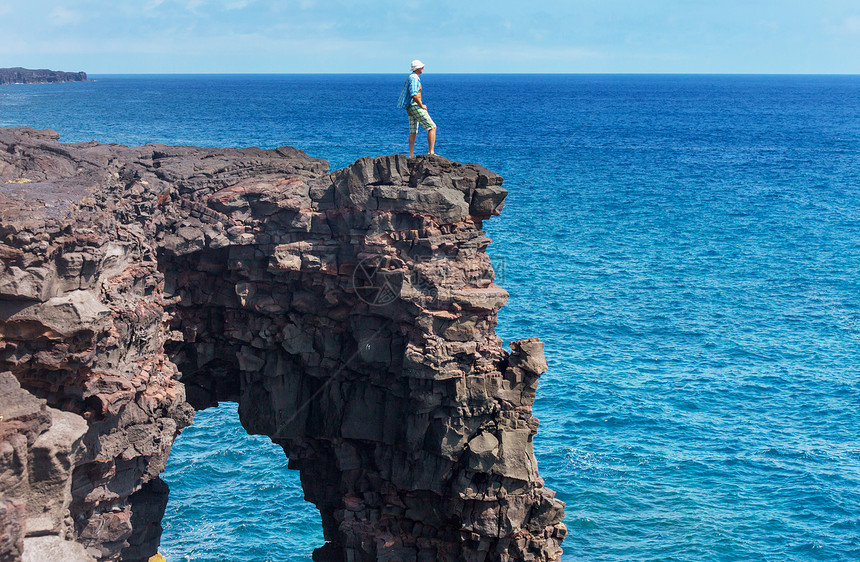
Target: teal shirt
412	87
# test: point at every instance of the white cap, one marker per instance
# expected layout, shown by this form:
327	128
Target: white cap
416	64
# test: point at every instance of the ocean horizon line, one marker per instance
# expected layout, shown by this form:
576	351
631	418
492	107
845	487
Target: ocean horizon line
727	74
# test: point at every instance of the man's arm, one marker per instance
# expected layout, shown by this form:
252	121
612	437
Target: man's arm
417	99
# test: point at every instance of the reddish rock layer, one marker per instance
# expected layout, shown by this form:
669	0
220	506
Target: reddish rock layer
351	315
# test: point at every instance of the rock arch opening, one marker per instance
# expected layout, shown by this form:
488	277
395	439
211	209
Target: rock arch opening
232	496
350	315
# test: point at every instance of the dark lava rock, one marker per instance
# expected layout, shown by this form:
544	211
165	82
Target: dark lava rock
350	314
20	75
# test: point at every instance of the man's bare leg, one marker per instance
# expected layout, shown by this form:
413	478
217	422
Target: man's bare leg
412	144
431	140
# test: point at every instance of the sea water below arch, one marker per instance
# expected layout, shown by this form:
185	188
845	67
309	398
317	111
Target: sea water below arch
688	247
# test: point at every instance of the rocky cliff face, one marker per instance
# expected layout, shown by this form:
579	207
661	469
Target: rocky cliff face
20	75
351	315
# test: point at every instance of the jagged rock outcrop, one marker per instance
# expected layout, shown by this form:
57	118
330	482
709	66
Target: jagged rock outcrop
20	75
351	315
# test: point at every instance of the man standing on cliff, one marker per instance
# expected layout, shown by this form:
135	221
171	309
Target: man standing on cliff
410	100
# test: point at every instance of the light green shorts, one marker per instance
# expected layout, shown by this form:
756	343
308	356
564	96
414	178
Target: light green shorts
418	115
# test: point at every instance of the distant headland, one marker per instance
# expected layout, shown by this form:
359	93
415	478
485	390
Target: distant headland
20	75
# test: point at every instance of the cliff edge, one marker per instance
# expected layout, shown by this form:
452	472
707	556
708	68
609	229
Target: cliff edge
20	75
350	314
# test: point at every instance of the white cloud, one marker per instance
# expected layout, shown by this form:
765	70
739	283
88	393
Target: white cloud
62	17
192	5
852	24
498	58
237	5
85	48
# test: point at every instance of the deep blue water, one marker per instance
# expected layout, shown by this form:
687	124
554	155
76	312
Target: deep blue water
688	247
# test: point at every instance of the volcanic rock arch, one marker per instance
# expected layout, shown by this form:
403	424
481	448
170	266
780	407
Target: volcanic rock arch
351	315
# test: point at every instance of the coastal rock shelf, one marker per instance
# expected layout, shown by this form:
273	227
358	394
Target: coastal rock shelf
20	75
350	314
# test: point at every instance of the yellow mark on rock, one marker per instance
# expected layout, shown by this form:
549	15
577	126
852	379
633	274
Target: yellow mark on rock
20	180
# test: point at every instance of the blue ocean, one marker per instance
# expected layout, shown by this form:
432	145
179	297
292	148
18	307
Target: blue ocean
688	247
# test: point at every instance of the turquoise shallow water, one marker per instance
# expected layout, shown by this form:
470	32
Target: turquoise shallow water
688	247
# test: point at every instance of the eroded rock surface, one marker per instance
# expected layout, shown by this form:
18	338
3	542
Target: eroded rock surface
351	315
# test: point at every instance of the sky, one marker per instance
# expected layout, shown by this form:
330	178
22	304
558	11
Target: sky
363	36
